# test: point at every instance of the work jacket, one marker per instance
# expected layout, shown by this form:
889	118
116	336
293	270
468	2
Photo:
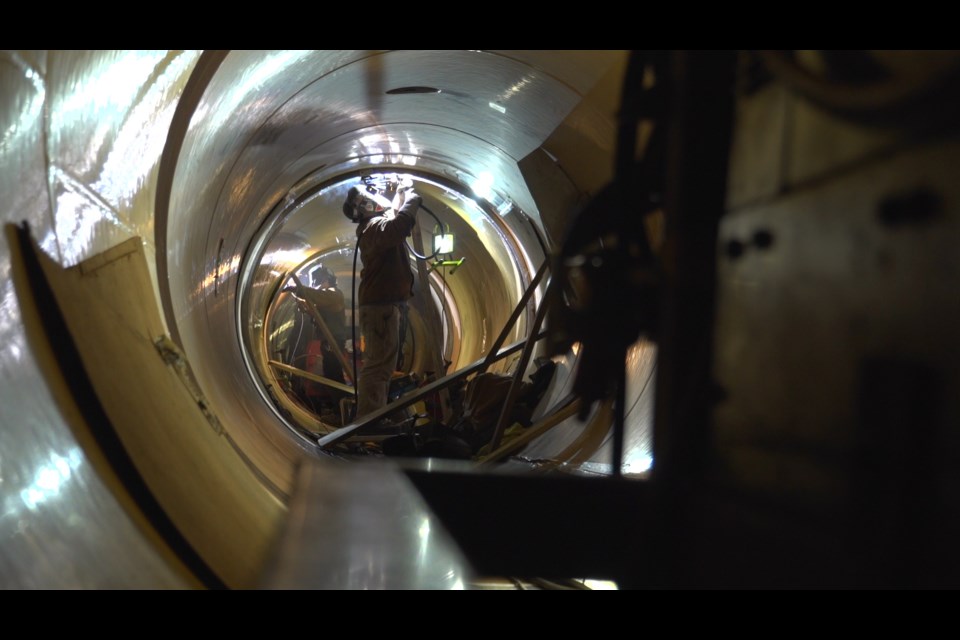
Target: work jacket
387	276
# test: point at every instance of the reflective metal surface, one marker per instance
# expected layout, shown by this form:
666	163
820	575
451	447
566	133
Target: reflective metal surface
60	526
82	135
270	122
363	526
559	448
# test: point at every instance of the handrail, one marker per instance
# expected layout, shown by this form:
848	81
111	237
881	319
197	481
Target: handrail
311	376
516	313
479	365
517	379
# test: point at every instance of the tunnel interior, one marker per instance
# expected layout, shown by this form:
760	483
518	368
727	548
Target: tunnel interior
757	412
282	167
312	232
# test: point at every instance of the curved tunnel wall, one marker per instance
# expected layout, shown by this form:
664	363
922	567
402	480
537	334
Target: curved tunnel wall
326	114
478	293
83	134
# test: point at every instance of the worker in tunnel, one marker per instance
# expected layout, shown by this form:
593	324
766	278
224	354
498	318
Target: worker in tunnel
386	284
319	349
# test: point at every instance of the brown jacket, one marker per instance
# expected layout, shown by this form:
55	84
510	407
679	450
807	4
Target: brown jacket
387	277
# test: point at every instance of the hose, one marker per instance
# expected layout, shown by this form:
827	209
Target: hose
436	251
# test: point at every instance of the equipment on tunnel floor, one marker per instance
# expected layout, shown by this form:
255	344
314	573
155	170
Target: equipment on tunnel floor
470	434
496	352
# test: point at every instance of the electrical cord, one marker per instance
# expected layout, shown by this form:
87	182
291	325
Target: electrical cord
353	326
300	327
443	305
436	250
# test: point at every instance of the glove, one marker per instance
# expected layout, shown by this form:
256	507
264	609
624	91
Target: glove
402	196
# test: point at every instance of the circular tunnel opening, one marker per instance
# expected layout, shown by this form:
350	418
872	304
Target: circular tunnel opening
303	350
235	132
273	136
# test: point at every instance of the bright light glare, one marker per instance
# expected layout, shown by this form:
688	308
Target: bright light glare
483	185
50	478
639	463
443	243
601	585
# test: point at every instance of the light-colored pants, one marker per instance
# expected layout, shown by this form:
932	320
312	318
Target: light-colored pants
380	326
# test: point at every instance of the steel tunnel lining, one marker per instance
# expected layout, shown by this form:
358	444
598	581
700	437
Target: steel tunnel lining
87	165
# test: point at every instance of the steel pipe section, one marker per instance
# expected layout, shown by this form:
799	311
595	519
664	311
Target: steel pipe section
208	156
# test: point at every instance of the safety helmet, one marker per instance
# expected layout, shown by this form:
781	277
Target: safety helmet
322	274
364	203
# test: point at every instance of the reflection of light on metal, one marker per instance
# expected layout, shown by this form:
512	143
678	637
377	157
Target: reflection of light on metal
497	107
282	328
636	352
575	348
515	88
639	357
219	274
30	112
410	158
601	585
79	213
637	462
50	478
370	141
483	185
240	187
114	86
9	315
206	283
133	156
142	136
286	257
423	533
237	99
